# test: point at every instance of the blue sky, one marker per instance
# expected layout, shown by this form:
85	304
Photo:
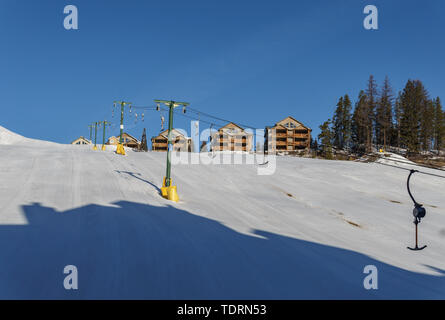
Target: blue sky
253	62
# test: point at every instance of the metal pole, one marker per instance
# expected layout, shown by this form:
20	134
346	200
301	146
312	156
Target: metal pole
103	138
416	236
170	144
95	134
122	123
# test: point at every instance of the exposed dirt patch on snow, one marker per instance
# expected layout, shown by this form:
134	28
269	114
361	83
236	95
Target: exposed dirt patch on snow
353	223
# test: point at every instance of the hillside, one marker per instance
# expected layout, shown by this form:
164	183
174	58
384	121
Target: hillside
11	138
307	231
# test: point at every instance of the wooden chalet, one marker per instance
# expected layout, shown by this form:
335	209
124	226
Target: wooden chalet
231	137
287	135
128	141
81	141
180	142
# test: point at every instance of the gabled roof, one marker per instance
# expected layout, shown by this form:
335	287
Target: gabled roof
130	136
126	134
231	123
175	133
292	119
81	138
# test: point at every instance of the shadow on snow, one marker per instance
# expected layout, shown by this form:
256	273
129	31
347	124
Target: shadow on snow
134	250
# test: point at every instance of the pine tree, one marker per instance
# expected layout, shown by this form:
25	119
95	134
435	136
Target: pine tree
427	124
439	125
326	137
144	146
314	145
347	121
337	123
371	101
413	100
396	141
384	114
359	121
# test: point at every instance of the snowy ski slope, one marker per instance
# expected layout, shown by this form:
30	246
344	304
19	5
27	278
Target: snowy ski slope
307	231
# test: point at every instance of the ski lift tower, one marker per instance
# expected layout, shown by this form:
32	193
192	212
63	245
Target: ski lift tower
168	189
120	147
105	124
96	124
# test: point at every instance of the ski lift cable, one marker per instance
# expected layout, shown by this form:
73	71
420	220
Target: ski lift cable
197	112
144	107
217	118
413	164
406	169
420	165
193	118
214	123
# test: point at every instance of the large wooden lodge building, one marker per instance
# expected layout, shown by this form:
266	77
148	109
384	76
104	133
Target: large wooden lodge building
231	137
287	135
128	141
179	140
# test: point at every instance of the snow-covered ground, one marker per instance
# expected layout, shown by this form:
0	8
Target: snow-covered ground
307	231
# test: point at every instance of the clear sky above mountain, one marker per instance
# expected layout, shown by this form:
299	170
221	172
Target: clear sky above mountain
253	62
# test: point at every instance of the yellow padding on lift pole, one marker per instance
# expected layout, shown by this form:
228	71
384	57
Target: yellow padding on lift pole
120	149
170	192
95	148
103	148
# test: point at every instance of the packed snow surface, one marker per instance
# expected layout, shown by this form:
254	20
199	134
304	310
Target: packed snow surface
394	159
306	231
11	138
8	137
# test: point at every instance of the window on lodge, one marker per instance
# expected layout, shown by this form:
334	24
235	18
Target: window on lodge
290	125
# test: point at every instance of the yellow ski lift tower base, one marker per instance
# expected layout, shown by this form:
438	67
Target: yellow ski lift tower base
120	147
168	190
